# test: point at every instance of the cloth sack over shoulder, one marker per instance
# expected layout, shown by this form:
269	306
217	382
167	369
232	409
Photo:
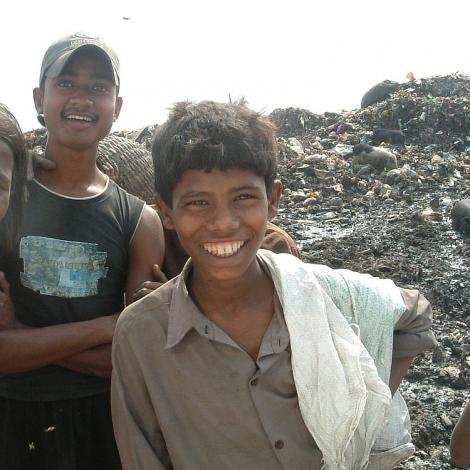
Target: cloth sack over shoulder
341	379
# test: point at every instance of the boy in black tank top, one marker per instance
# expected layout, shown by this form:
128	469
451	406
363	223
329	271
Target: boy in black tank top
85	246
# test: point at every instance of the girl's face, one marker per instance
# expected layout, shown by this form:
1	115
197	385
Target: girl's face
6	174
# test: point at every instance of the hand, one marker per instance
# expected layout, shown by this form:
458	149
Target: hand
149	286
38	162
109	169
7	310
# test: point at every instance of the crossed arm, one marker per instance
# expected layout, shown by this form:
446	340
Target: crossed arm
80	346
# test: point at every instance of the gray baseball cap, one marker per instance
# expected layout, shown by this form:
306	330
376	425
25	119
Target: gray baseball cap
60	52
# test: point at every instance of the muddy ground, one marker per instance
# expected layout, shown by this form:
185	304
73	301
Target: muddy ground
401	230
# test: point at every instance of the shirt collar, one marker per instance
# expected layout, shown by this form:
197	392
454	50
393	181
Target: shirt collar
185	315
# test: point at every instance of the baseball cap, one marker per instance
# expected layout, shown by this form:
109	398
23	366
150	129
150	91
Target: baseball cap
60	52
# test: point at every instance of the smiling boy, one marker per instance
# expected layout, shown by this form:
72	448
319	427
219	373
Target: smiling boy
250	359
85	246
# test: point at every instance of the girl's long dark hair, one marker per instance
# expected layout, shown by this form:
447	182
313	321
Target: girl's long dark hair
10	132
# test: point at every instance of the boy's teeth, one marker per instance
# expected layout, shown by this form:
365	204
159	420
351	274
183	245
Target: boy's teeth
80	118
223	249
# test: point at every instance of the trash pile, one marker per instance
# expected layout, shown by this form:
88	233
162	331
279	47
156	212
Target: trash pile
394	223
432	111
391	221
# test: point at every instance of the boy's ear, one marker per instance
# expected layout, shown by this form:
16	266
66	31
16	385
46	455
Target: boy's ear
274	199
38	97
117	107
165	213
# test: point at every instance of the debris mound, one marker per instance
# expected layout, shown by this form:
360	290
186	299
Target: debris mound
394	223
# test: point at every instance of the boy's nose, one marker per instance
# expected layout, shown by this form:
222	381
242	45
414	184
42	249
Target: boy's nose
82	93
224	219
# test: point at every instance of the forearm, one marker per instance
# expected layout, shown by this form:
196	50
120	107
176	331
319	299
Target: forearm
24	349
95	361
460	441
400	366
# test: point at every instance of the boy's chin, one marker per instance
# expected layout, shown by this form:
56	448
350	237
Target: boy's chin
222	269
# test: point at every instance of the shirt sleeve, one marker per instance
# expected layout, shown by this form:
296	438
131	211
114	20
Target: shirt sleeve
412	334
138	435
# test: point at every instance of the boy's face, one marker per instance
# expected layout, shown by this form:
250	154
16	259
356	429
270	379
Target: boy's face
6	174
79	105
220	218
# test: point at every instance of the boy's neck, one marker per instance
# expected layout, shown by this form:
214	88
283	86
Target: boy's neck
243	309
75	174
231	296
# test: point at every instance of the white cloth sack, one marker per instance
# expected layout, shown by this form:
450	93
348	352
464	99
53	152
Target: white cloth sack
341	379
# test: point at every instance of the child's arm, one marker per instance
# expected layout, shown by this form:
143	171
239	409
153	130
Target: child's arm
159	278
412	335
94	361
460	441
138	434
146	249
398	371
23	348
45	345
412	332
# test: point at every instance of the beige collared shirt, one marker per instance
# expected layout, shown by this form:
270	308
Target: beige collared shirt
186	396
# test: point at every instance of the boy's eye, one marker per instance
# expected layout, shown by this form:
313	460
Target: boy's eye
100	88
244	197
198	202
64	83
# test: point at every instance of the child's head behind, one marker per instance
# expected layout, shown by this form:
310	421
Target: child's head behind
209	135
11	194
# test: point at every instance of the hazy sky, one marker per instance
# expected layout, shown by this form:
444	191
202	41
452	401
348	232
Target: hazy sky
318	55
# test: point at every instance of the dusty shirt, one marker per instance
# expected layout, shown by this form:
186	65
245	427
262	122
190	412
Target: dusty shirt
184	394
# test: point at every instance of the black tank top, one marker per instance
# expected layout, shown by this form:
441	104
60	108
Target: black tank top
70	265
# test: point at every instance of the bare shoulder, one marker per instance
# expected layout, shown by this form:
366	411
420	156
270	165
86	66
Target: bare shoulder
149	225
146	249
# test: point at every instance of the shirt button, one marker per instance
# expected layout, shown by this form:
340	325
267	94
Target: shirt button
279	444
254	382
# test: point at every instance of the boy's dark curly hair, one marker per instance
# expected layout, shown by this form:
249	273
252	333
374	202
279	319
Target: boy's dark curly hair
209	135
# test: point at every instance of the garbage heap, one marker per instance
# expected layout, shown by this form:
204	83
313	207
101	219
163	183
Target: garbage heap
394	224
430	111
408	206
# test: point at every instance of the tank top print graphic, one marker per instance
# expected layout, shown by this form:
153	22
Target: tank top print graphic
61	268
